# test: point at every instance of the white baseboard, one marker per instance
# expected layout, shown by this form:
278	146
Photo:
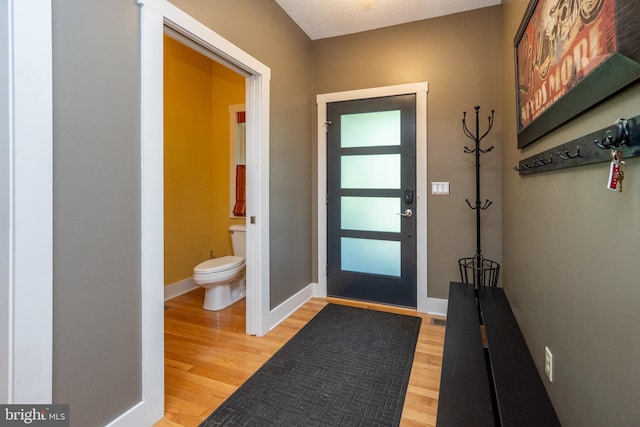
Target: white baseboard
176	289
319	290
284	310
437	306
144	413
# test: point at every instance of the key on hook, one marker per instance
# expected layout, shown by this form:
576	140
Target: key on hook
616	172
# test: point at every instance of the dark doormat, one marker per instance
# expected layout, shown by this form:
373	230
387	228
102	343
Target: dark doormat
347	367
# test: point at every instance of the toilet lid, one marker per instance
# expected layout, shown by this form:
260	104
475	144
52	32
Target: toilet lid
219	264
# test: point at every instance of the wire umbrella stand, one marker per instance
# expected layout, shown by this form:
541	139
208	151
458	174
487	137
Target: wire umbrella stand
478	270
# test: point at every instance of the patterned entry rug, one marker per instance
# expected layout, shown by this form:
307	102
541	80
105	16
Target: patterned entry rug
347	367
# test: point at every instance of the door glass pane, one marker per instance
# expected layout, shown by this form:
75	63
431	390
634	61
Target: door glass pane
371	256
380	128
370	171
371	213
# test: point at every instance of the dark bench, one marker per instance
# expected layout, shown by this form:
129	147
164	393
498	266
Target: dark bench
465	393
496	385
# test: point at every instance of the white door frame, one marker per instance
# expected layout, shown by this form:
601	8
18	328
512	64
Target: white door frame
26	198
26	202
155	14
420	90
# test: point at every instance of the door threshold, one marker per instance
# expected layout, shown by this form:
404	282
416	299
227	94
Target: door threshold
373	306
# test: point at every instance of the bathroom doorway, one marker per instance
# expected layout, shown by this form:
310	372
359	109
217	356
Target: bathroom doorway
155	17
204	159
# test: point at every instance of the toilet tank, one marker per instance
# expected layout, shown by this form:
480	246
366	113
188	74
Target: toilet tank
238	239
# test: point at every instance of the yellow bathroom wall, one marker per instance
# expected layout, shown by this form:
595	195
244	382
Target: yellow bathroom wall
187	154
228	88
196	164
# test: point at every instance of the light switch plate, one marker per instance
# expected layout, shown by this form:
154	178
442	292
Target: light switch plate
440	188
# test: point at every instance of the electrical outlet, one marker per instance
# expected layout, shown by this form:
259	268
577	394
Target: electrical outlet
548	364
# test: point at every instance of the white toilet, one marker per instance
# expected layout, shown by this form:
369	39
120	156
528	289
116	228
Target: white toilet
224	278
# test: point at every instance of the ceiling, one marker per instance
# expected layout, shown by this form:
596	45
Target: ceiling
329	18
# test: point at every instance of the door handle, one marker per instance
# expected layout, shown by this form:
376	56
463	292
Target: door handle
407	213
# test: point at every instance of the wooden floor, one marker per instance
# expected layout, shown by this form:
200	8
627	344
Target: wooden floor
208	356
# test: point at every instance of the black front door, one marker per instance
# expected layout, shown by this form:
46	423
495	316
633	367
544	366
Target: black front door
371	182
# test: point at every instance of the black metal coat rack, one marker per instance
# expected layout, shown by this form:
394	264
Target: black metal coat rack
485	272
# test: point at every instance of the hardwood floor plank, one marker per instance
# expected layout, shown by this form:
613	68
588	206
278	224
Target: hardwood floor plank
208	356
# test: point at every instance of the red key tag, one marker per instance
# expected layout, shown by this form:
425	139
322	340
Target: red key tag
616	173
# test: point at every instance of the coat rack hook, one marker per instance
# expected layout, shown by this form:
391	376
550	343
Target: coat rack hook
620	138
476	137
567	156
487	150
469	203
466	130
490	126
542	162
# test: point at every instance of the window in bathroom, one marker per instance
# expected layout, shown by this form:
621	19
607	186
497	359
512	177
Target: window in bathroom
237	161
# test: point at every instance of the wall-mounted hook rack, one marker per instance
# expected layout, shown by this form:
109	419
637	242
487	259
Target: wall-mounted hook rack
595	147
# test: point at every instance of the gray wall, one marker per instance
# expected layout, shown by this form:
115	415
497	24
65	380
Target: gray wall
262	29
459	55
571	261
96	185
97	351
96	228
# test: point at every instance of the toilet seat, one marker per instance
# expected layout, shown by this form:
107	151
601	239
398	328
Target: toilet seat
218	269
216	265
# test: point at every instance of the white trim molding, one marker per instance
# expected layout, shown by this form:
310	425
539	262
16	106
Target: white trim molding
437	306
179	288
151	407
420	89
288	307
26	202
155	16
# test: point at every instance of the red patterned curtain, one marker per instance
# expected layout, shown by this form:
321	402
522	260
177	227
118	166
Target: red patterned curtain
240	208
